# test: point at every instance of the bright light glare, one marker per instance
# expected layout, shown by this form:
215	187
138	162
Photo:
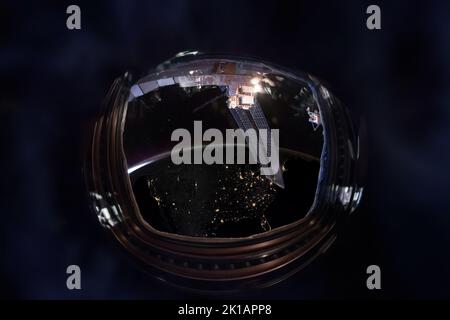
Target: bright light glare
255	81
257	88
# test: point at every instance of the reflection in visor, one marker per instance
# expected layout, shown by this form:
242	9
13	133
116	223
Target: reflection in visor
222	200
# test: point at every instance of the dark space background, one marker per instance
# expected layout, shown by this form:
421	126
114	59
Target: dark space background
53	81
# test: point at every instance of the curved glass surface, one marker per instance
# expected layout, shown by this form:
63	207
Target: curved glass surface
197	135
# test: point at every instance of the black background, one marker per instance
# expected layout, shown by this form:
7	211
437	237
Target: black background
53	81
